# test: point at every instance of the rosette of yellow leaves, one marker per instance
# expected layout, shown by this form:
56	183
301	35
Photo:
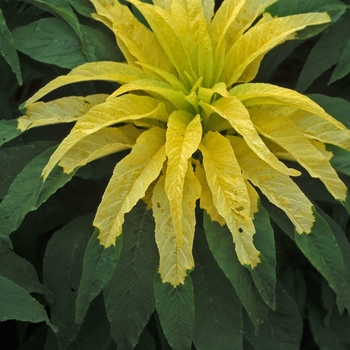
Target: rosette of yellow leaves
196	125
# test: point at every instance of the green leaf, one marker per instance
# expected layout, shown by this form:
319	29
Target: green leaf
129	295
27	192
218	310
98	268
282	328
8	130
85	8
343	66
221	245
320	248
21	272
8	50
175	307
326	52
50	40
63	263
17	304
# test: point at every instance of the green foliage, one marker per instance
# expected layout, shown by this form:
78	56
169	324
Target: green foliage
60	289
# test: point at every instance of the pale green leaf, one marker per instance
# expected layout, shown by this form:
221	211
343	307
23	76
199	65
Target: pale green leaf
129	182
230	194
174	237
129	296
175	307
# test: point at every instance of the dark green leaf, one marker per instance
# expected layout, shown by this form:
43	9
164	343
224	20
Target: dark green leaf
8	50
282	328
222	247
63	264
8	130
27	192
343	66
175	307
83	7
218	310
17	304
50	40
129	295
21	272
98	268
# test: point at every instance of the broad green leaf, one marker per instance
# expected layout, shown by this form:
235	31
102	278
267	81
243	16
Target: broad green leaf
99	144
8	50
277	187
300	148
175	307
27	192
17	304
183	136
252	94
129	296
237	115
107	71
83	7
220	243
62	110
218	310
282	329
243	59
326	53
174	237
343	66
21	272
8	130
63	264
340	159
50	40
98	267
230	194
136	41
129	182
118	110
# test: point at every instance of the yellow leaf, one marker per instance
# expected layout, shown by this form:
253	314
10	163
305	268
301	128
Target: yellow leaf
62	110
128	184
175	247
206	199
260	39
106	71
230	194
183	136
231	109
253	94
285	133
122	109
99	144
141	44
277	187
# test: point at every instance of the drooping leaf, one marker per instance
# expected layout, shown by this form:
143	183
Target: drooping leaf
7	48
17	304
50	40
129	296
175	307
220	243
98	267
218	310
63	263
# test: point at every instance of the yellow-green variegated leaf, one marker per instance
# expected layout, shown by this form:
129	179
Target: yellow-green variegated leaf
175	246
183	136
260	39
292	140
62	110
253	94
231	109
107	71
230	194
277	187
114	111
99	144
128	184
206	200
141	44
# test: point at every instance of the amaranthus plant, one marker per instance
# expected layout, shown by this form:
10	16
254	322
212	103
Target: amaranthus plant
205	155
